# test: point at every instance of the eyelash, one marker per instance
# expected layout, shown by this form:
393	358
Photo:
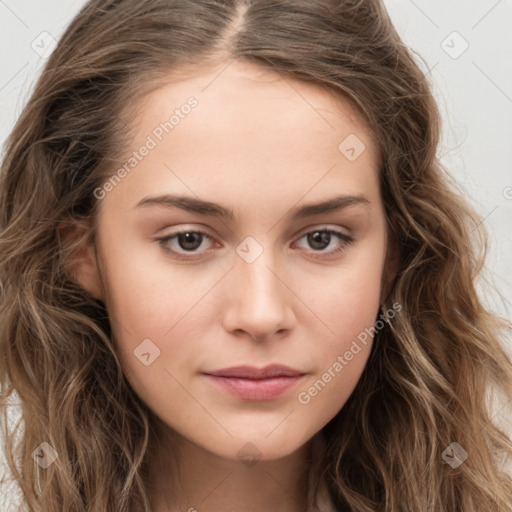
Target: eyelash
346	241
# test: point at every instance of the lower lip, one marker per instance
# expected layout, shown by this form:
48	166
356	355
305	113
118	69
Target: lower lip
256	389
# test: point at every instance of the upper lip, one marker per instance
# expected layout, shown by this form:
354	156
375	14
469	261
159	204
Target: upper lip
251	372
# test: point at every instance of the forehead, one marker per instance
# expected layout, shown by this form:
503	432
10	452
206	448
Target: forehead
252	130
244	88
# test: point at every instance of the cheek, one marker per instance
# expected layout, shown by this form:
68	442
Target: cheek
344	350
347	306
324	395
346	301
147	298
170	307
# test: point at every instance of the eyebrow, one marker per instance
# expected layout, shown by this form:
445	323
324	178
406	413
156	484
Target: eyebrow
191	204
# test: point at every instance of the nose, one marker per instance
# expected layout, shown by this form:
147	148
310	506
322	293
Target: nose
259	303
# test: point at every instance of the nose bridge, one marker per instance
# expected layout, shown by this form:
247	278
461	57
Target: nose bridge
260	303
259	283
259	277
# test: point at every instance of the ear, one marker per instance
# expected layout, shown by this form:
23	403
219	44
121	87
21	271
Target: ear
81	258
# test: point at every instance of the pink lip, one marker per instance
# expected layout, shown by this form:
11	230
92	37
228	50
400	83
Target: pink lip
251	383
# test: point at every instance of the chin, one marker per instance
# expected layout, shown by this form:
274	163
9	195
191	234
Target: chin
256	446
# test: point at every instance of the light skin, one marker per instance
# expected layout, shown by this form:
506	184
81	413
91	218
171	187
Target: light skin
263	147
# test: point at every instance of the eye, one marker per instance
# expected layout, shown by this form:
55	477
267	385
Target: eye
320	239
185	244
188	241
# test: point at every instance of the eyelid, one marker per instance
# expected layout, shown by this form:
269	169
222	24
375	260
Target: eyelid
321	227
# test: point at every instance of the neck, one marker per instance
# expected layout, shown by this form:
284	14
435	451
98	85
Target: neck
185	477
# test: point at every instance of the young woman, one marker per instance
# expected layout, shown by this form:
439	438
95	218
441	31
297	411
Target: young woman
234	275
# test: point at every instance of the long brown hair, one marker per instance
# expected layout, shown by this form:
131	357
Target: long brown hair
431	370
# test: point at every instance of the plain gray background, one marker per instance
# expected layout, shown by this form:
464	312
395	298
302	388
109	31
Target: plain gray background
466	49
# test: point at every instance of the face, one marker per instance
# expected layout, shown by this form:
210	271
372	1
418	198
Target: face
215	263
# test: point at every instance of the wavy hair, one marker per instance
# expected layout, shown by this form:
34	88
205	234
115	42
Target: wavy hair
432	370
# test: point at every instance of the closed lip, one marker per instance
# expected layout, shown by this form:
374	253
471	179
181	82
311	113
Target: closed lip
252	372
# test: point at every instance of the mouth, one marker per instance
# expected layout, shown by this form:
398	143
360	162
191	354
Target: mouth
251	383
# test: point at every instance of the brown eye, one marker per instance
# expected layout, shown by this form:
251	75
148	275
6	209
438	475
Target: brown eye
182	242
319	239
188	240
